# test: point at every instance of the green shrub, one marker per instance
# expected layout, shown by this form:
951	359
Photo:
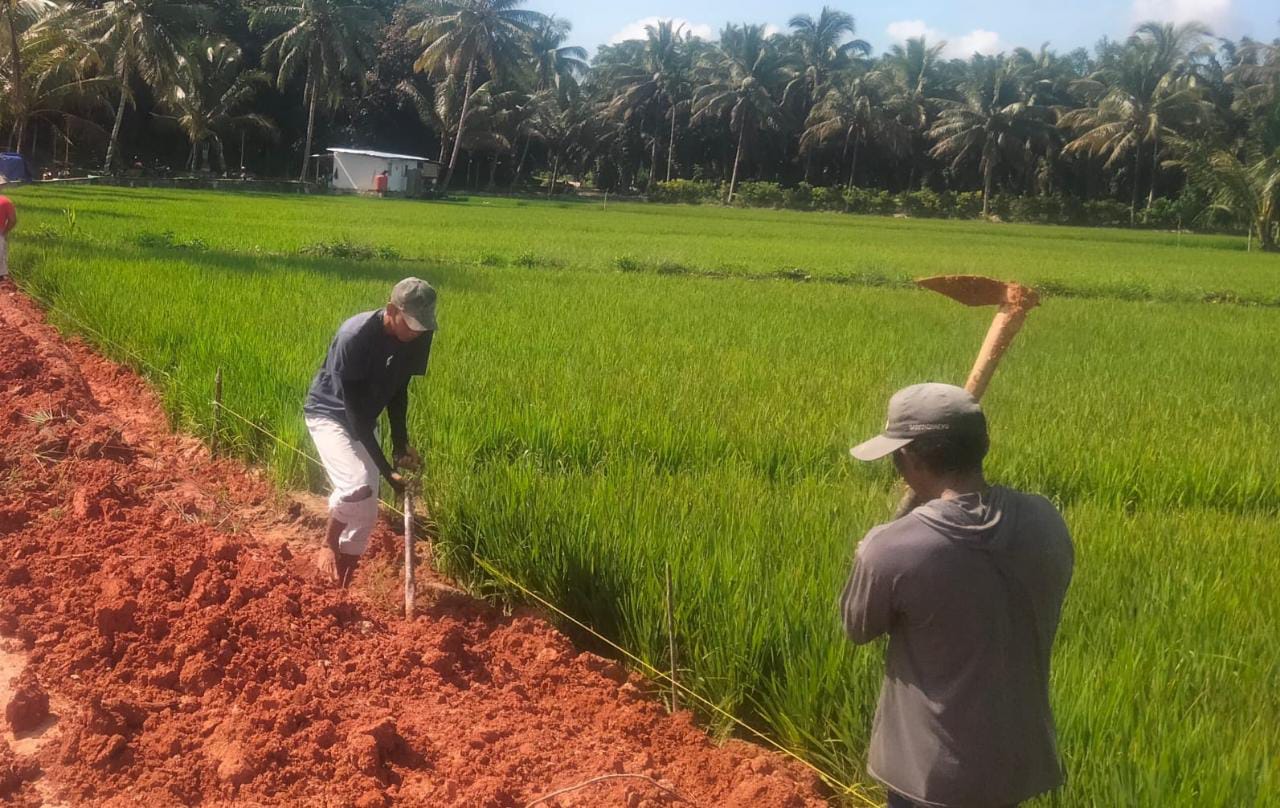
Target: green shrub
349	250
828	198
966	204
167	239
870	200
628	263
799	197
689	192
1105	213
1047	209
759	195
924	202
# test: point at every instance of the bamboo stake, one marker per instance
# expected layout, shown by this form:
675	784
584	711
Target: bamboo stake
217	408
409	585
671	640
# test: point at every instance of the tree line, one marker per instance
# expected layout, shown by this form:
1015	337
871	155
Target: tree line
495	91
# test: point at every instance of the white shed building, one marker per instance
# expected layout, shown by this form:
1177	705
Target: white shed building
357	169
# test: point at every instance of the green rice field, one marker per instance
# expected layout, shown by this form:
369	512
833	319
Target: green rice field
618	388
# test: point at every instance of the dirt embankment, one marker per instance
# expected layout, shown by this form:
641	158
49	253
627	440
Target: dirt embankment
164	640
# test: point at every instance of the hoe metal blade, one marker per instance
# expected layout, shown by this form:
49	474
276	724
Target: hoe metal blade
976	290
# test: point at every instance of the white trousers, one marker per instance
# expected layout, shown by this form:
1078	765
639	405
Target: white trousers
349	468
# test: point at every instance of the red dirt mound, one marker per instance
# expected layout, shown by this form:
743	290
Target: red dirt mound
167	603
28	707
16	776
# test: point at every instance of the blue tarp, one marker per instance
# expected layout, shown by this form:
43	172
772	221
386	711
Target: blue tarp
13	167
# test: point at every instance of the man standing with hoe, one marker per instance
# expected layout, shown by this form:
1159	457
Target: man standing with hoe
968	582
367	370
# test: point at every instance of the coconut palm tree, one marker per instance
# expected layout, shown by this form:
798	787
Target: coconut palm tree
19	16
461	36
1255	78
62	83
555	125
656	86
602	141
208	99
993	123
825	47
1046	77
491	121
741	84
913	66
854	111
1247	189
331	39
145	38
914	69
1145	92
556	66
433	102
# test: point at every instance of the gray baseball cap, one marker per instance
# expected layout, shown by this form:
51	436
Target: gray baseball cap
416	299
924	409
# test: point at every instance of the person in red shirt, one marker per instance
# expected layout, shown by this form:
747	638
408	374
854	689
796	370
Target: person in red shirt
8	219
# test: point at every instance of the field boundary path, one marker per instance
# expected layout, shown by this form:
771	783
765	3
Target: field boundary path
165	639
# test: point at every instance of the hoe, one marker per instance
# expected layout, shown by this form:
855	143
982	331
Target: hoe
1014	301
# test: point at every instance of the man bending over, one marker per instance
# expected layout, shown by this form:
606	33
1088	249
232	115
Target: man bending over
367	370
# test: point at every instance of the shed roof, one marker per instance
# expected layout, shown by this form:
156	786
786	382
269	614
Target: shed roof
383	155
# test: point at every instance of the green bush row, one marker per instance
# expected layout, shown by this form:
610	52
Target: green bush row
1050	209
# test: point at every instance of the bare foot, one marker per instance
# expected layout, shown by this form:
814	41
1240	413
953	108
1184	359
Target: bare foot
327	563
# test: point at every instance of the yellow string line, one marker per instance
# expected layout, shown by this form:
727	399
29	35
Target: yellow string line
492	569
316	461
844	788
848	790
268	433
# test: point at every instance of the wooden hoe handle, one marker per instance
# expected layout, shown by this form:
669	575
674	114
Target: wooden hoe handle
1004	327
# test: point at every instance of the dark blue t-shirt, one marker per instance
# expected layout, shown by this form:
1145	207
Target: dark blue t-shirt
362	352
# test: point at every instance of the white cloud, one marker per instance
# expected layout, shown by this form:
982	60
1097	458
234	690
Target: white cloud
635	30
770	29
1209	12
961	46
903	30
979	40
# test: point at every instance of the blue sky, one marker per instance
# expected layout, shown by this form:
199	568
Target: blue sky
975	25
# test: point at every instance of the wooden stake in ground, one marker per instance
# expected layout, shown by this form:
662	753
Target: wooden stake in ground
671	640
217	409
409	585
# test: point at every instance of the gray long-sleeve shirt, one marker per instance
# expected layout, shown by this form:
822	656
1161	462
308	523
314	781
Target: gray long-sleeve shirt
969	591
365	371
